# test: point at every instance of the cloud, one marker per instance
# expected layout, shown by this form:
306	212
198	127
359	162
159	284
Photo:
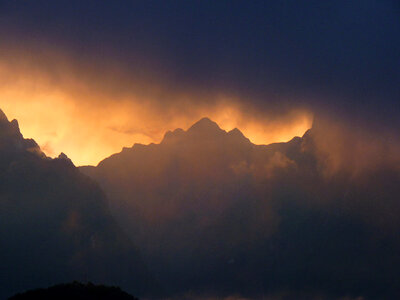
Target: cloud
341	57
142	74
340	146
91	109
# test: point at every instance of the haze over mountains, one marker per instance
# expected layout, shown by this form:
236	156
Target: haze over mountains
55	225
217	215
206	213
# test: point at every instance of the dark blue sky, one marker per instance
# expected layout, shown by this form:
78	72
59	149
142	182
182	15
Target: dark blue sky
339	56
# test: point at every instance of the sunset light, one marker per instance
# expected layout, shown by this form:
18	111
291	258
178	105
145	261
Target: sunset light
87	135
199	150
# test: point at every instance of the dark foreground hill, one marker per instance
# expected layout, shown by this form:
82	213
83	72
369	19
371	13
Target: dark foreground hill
76	291
216	214
55	225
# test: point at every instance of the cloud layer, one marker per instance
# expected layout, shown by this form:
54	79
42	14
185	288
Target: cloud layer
136	70
77	108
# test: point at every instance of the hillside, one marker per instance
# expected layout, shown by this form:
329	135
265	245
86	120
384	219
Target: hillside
55	225
214	213
77	291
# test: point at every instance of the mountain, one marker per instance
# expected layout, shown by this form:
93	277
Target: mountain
77	291
215	214
55	225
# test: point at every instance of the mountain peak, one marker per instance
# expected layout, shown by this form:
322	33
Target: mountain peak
205	125
238	135
12	126
204	129
173	135
3	116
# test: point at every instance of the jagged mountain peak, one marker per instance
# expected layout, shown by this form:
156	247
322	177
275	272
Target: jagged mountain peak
11	139
173	135
237	134
11	126
50	196
3	116
205	125
204	129
9	130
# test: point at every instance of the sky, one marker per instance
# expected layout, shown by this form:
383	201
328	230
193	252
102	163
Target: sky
205	210
88	78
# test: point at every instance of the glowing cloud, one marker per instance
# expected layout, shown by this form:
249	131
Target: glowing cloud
90	115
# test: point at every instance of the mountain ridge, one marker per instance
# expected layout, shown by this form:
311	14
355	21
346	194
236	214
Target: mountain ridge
219	211
203	130
49	207
209	212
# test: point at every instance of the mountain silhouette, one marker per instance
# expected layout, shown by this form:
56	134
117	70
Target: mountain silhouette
215	214
205	125
55	225
204	130
209	213
76	291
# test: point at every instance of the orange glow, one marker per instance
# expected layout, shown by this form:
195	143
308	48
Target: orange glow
90	120
87	136
261	130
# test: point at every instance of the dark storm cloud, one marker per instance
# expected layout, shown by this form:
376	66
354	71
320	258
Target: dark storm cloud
213	212
341	56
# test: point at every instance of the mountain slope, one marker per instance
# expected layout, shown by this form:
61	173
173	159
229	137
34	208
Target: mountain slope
55	225
75	290
217	214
